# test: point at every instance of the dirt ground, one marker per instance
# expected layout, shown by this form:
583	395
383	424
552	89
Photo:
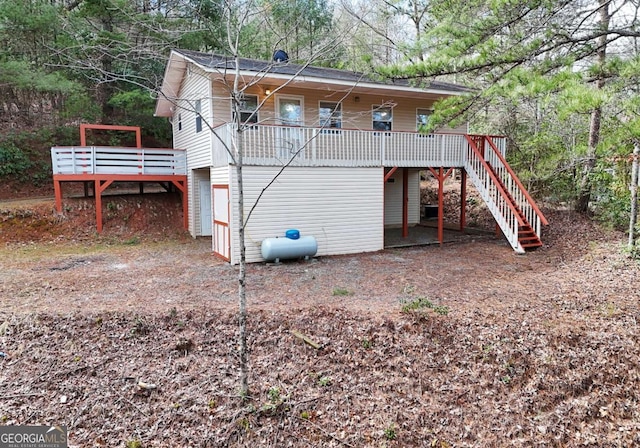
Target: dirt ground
465	345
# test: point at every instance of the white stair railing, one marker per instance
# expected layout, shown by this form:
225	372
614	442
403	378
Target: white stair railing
521	197
489	173
487	185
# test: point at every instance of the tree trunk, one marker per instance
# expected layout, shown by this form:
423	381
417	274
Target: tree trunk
242	274
635	167
584	189
242	293
106	86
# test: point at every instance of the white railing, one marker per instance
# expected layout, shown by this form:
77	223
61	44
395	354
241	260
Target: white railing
487	168
116	160
305	146
481	178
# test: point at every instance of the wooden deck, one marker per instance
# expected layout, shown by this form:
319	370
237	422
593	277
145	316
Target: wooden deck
103	165
269	145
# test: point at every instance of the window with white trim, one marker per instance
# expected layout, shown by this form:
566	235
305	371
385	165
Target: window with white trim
198	115
382	118
330	115
248	106
422	119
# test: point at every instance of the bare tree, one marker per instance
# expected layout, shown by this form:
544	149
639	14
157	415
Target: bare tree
237	15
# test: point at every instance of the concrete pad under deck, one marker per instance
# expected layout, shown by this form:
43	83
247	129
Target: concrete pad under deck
426	233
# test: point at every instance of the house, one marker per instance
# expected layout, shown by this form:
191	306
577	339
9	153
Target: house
332	153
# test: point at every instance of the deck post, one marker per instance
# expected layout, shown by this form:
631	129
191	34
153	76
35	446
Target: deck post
98	195
441	205
405	202
57	188
182	186
441	175
98	189
463	199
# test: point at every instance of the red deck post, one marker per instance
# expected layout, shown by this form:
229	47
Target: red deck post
463	199
441	176
98	198
99	188
441	205
182	186
57	188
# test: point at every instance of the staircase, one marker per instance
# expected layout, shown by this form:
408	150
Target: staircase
515	211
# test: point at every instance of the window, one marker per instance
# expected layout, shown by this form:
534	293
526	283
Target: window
422	119
248	109
290	110
382	117
179	122
330	115
198	115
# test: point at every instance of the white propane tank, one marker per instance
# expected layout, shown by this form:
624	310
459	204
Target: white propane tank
275	249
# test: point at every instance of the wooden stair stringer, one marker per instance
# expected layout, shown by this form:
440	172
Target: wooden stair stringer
527	236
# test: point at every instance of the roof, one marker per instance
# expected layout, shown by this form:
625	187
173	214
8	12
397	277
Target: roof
280	72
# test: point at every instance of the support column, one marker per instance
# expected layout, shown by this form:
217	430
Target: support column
441	175
405	202
98	196
57	188
441	205
99	187
463	199
182	186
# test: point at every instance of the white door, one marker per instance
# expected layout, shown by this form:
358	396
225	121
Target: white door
221	235
291	116
205	208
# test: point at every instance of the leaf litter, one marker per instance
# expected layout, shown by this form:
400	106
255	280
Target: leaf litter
539	350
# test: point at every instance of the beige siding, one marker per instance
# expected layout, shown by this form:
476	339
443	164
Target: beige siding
195	86
356	108
221	102
341	207
393	199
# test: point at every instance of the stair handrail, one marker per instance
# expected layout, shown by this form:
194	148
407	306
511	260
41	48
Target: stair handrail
492	175
515	178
